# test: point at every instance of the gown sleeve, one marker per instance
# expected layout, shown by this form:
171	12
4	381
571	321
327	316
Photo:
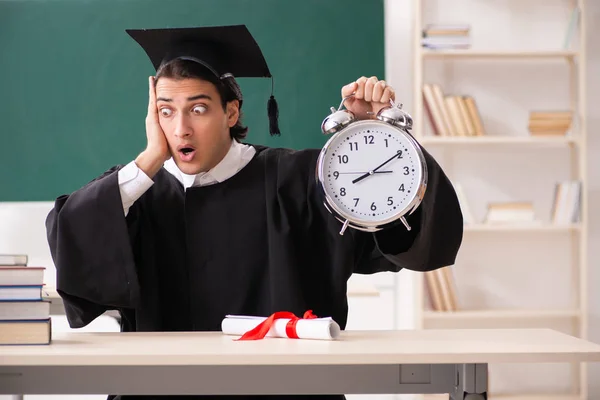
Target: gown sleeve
435	237
90	241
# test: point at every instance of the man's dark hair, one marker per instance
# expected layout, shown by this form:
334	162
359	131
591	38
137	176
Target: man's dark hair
227	87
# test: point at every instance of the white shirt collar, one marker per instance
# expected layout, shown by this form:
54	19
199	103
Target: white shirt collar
237	157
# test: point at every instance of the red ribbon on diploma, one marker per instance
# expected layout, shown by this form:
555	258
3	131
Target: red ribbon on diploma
261	330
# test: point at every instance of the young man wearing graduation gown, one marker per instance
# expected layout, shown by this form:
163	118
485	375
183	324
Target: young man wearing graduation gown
200	225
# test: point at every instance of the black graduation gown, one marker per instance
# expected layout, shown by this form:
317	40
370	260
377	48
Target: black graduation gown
257	243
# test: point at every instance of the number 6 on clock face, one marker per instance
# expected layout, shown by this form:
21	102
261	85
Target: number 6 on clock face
371	174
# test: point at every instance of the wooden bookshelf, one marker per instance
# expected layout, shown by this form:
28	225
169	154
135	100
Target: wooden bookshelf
430	133
473	54
515	315
549	396
533	228
509	140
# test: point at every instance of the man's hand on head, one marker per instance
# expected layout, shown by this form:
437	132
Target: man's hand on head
157	150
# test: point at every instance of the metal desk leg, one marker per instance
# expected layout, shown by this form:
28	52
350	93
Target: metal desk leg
471	382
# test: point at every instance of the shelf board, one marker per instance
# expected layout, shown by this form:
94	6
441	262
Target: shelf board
513	397
525	227
523	54
535	397
500	314
526	140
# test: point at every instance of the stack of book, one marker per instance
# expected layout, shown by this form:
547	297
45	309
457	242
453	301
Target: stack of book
446	36
451	114
24	315
542	123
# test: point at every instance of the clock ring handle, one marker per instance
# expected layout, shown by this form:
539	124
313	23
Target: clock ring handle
392	103
344	100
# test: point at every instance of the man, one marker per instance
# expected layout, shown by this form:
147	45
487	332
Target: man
199	225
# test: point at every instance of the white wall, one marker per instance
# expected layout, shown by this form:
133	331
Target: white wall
489	277
23	231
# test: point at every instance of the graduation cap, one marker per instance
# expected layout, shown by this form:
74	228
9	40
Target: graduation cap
224	50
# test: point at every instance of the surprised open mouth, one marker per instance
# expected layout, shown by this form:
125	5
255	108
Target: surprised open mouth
186	153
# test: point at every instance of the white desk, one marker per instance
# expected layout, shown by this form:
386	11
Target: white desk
430	361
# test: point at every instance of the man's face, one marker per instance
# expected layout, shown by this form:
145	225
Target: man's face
194	122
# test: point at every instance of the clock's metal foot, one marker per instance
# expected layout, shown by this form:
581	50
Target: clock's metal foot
344	227
405	223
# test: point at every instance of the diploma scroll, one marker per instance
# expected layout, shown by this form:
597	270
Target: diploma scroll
317	328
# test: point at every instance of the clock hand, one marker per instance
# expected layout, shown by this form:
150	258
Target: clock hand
360	178
356	173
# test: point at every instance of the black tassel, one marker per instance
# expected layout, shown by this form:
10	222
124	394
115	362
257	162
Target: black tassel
273	111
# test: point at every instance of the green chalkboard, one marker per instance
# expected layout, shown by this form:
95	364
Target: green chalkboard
73	84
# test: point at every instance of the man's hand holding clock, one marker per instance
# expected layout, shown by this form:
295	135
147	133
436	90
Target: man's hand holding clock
370	96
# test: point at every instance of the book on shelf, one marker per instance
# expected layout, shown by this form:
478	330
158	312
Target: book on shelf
566	207
451	114
445	30
510	212
441	289
24	314
446	36
571	27
548	122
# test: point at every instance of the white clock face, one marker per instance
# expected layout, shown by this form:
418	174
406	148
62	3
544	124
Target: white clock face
372	172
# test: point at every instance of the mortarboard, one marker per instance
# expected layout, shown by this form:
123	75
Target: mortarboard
223	50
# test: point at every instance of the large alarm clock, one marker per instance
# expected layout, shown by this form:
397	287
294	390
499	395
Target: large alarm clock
371	173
